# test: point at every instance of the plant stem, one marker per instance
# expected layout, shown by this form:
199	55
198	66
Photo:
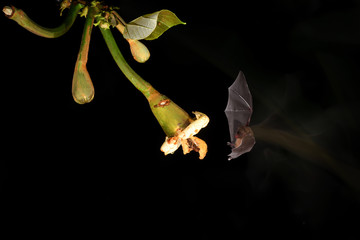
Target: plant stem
170	116
119	18
23	20
85	40
142	85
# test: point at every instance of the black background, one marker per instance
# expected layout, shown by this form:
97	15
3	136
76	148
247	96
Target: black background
97	169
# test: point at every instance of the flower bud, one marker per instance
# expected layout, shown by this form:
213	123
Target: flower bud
82	87
139	51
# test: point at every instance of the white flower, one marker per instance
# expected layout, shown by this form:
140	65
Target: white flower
186	138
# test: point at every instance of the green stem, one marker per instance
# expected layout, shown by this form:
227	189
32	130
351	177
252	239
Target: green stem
170	116
85	40
23	20
134	78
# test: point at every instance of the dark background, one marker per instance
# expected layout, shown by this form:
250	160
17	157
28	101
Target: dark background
97	169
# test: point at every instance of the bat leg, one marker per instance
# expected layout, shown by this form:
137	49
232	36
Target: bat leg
231	144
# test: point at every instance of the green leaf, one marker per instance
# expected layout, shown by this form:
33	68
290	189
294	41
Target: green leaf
151	26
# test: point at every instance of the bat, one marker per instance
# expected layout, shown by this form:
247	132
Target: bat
238	112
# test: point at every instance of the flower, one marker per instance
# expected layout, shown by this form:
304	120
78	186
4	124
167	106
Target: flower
178	126
186	138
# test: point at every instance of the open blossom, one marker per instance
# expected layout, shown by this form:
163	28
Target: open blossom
178	126
186	139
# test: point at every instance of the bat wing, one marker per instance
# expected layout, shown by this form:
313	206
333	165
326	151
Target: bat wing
239	107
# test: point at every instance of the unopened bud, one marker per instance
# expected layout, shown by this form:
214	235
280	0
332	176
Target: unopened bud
139	51
82	87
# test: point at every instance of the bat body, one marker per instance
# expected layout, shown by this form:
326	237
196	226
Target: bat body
238	112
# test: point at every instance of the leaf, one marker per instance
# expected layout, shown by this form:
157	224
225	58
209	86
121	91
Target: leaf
151	26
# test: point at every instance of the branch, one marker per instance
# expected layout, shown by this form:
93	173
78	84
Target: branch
23	20
143	86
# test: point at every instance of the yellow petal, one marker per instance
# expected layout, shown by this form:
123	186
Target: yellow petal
196	144
193	128
170	145
185	146
203	147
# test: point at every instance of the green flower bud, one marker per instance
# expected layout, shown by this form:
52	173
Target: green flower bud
82	87
139	51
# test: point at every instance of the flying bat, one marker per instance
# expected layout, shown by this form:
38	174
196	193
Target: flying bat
238	112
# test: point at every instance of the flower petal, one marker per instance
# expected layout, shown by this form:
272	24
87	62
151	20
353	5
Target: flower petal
202	146
170	145
196	144
193	128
